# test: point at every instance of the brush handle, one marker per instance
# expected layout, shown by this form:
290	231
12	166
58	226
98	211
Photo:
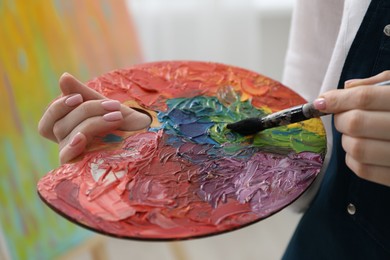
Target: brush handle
383	83
287	116
297	113
291	115
309	111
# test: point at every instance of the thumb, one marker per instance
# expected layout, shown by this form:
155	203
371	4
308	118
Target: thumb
366	97
134	120
70	85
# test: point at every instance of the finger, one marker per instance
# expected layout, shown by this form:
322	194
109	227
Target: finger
366	124
375	152
69	85
57	110
362	97
74	148
373	173
88	109
384	76
134	120
95	126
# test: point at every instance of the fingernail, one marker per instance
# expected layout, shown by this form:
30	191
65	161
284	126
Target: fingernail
113	116
111	105
319	104
74	100
347	82
76	139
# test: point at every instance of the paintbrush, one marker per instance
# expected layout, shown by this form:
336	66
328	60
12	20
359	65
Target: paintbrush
287	116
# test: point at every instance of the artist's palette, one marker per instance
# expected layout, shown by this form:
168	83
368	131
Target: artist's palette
188	176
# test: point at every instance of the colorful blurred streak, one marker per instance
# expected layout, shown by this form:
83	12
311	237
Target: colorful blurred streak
39	41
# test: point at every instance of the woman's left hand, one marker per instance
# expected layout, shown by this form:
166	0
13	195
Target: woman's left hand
362	114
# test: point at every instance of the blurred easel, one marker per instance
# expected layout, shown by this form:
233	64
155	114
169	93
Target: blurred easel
95	247
178	251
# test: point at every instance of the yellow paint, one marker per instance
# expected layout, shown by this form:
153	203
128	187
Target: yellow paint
313	125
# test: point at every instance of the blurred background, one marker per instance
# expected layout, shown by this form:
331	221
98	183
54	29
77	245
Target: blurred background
41	39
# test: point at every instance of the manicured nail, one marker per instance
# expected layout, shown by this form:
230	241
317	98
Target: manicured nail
113	116
319	104
111	105
76	139
350	81
74	100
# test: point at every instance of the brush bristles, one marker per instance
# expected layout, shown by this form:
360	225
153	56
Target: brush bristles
248	126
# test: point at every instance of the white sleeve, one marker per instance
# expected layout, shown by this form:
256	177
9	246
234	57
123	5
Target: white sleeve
320	38
314	29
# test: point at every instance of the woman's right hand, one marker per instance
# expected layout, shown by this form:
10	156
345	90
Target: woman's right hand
80	114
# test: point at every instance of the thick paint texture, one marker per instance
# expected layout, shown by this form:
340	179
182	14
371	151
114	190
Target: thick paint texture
188	175
40	40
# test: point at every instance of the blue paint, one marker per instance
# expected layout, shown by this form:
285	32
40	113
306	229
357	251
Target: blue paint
203	120
112	138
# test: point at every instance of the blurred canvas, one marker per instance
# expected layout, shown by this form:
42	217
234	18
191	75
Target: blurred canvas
39	41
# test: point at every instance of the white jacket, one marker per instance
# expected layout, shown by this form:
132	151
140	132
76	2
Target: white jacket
321	34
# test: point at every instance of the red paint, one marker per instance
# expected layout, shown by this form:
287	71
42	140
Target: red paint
143	188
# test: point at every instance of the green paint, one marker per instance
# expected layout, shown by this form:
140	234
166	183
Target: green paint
294	139
282	139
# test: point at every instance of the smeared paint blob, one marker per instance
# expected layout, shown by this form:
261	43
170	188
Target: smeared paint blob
188	176
112	138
